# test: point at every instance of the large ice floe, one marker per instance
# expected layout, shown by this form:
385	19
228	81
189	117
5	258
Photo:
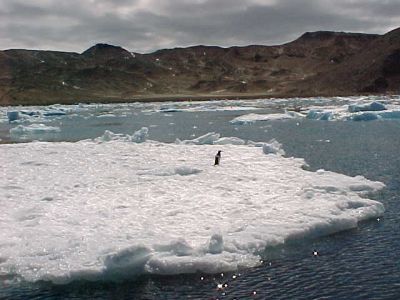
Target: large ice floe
113	209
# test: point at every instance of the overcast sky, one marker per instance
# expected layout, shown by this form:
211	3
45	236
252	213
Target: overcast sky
147	25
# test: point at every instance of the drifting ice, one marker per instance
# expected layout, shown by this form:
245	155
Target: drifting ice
251	118
374	106
138	136
34	129
113	210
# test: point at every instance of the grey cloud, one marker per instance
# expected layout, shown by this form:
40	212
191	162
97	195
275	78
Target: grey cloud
75	25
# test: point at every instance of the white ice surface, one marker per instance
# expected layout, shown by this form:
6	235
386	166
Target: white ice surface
113	210
273	147
33	129
251	118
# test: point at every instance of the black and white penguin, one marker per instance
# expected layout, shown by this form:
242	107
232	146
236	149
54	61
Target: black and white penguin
217	158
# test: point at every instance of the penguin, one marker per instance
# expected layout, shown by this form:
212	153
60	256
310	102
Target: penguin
217	158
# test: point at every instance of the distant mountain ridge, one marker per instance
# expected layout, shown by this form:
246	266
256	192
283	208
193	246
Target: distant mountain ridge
322	63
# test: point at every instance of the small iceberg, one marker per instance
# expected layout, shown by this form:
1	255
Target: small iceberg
273	147
374	106
368	116
139	136
12	115
316	114
51	113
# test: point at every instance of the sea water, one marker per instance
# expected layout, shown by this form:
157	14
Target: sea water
341	260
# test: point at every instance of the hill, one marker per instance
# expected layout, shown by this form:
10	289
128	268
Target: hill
320	63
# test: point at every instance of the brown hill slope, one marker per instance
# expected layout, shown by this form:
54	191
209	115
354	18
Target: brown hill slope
375	69
317	63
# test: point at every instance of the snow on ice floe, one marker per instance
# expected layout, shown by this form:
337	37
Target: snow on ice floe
113	210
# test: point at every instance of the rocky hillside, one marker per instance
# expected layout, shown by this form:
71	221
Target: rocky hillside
317	63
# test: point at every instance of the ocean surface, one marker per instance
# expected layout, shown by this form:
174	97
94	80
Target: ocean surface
333	258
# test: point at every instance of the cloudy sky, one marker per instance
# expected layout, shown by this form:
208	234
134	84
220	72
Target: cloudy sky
147	25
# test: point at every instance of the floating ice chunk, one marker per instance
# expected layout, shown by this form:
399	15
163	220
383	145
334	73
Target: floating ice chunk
216	244
106	116
374	106
36	113
206	139
212	138
127	262
50	113
387	114
229	141
30	113
273	147
110	136
251	118
322	115
33	129
197	106
355	112
180	247
140	136
255	144
118	218
169	108
393	114
364	117
12	115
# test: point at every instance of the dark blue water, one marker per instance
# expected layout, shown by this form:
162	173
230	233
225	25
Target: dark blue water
363	263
